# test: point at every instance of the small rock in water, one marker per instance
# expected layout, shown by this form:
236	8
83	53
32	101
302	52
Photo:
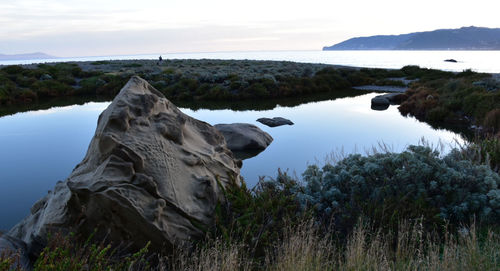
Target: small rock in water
450	60
380	101
274	122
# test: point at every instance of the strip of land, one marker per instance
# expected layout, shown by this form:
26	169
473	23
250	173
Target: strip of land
438	97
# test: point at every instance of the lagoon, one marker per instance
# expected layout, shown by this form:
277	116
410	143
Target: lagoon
40	147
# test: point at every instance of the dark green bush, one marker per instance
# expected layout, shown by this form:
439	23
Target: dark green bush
100	62
258	217
13	69
492	121
132	65
437	114
69	253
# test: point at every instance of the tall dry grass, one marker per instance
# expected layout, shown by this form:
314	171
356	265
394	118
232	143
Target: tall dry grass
215	255
302	248
307	248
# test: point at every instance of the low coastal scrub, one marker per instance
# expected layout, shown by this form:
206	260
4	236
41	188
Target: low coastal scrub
21	85
464	98
185	80
415	210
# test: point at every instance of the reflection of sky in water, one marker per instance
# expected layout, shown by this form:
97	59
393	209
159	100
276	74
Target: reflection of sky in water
323	128
39	148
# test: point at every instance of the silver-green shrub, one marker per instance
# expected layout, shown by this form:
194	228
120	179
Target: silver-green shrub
414	183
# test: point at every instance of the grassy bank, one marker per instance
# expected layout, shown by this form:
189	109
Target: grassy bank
183	80
465	98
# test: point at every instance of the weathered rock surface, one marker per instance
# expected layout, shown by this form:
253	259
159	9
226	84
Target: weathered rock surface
274	122
151	173
244	136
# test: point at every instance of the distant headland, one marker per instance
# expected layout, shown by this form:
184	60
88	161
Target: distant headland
36	55
465	38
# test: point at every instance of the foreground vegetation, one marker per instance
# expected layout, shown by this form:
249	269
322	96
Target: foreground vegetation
414	210
303	247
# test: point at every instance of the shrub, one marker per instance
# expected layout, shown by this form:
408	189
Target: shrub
483	151
132	65
100	62
492	121
10	261
437	114
257	217
69	253
13	69
389	187
51	88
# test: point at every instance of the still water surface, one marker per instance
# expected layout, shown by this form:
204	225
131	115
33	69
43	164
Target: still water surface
38	148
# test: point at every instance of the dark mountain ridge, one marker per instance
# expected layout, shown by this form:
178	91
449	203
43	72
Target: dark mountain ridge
465	38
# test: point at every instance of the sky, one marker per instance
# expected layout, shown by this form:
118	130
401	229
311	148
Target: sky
68	28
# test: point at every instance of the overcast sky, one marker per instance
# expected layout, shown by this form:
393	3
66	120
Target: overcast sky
100	27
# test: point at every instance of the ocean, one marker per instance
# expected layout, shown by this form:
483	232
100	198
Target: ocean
480	61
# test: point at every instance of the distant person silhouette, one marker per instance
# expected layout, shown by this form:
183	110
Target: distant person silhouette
160	59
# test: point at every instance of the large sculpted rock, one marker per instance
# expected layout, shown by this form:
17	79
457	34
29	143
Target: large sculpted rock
151	173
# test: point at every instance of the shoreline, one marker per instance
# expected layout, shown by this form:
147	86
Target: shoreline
228	81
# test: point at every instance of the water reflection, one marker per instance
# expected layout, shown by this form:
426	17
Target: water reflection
38	148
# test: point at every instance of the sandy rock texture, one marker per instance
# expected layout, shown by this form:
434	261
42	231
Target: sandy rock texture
151	173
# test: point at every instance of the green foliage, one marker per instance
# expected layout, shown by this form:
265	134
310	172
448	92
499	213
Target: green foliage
437	114
10	261
100	62
492	121
13	69
424	74
443	97
67	253
26	85
132	65
483	151
258	217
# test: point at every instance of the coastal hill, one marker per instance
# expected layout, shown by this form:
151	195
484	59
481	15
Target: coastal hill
36	55
465	38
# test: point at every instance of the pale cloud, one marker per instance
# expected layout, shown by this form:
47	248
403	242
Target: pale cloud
99	27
